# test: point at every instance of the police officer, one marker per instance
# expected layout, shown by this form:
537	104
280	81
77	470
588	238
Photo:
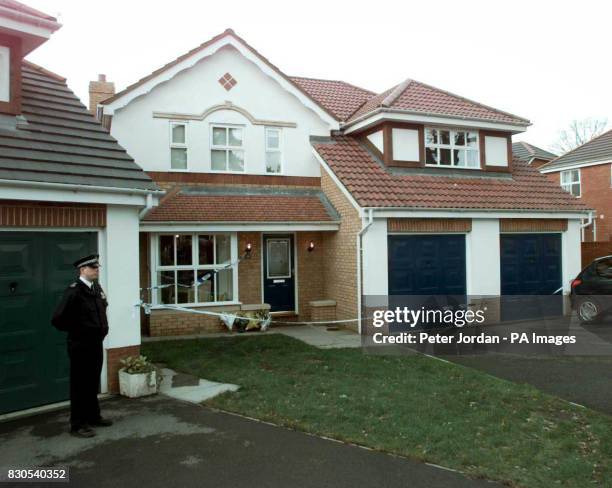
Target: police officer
82	313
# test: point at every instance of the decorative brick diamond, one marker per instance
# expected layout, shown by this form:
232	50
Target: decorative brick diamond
227	81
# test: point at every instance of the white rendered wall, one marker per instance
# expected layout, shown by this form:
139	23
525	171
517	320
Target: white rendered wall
482	261
496	151
120	276
571	252
405	144
195	90
374	263
377	139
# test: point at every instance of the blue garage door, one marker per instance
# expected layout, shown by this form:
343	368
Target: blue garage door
426	264
530	265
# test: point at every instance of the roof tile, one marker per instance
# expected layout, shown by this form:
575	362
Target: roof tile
374	186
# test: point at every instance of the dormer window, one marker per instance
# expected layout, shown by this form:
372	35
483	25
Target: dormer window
451	148
5	74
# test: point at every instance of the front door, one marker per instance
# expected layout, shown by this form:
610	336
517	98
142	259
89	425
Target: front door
35	268
279	272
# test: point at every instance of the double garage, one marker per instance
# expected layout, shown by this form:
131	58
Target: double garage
430	264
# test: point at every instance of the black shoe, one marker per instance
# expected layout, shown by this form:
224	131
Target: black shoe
83	431
101	422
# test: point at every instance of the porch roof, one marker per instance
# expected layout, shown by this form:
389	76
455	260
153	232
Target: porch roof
202	204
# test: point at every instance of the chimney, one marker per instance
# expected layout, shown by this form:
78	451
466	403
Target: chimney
98	91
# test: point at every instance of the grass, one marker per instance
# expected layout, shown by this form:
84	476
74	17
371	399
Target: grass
413	406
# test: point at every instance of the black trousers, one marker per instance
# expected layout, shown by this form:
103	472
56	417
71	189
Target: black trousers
85	368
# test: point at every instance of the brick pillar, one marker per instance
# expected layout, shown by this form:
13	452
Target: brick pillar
98	91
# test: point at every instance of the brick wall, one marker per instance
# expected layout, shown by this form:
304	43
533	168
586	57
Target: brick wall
311	271
340	254
593	250
113	356
429	225
596	193
172	322
16	213
249	270
532	225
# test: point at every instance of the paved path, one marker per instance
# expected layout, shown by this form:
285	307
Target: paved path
160	442
315	335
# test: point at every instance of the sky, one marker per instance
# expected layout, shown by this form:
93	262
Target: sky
547	61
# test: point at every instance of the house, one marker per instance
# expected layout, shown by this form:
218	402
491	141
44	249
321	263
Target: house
330	192
67	189
534	155
586	173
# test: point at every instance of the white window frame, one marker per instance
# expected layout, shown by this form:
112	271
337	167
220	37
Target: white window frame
155	295
227	148
452	147
5	74
567	186
279	149
178	145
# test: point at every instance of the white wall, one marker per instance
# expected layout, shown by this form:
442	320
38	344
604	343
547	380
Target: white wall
376	138
405	144
5	76
496	151
195	90
118	247
482	258
572	254
374	263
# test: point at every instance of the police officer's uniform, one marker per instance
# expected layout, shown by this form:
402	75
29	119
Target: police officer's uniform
82	313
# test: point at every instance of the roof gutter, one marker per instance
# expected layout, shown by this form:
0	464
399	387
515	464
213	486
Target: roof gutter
80	188
378	110
469	210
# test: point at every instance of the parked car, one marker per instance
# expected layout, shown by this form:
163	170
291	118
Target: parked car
591	291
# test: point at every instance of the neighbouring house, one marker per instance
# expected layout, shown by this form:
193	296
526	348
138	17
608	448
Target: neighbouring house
533	155
586	173
67	189
338	192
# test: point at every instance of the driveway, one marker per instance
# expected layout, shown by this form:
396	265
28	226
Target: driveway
161	442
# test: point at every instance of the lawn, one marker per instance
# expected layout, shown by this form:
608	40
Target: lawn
413	406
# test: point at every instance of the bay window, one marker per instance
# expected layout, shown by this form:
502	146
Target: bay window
452	148
227	151
570	181
195	268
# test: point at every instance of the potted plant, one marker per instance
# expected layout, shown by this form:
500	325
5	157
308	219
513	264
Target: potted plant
138	377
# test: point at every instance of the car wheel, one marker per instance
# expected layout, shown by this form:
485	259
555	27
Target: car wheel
589	311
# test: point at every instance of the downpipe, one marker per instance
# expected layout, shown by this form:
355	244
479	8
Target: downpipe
360	234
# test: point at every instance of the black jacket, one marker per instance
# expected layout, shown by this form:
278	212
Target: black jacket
82	313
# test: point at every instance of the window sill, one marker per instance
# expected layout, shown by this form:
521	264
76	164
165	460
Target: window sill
453	167
200	305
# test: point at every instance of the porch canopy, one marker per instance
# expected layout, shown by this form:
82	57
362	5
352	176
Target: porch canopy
243	208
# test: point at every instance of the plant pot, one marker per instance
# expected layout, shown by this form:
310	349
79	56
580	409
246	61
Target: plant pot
137	385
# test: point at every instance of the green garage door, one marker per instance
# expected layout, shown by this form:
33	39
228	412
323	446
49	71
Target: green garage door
35	267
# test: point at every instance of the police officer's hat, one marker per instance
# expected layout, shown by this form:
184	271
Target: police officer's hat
91	260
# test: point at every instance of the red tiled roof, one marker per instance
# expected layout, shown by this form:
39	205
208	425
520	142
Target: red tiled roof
414	96
339	98
374	186
193	207
20	7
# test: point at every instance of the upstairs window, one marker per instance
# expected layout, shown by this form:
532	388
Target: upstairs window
273	150
227	152
178	146
570	181
452	148
5	74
